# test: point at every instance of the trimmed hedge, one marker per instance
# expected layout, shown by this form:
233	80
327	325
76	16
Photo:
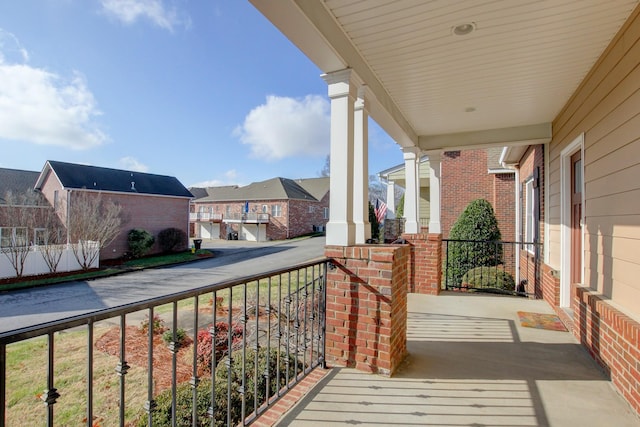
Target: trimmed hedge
479	224
172	240
489	278
140	242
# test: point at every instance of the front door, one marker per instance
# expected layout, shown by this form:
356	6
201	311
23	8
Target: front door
576	218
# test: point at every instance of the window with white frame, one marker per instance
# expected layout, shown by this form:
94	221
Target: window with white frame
228	210
529	207
40	236
13	236
326	213
56	200
276	210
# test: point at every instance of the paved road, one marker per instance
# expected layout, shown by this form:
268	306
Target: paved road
19	309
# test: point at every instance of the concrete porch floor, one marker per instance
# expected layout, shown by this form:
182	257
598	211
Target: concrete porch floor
471	363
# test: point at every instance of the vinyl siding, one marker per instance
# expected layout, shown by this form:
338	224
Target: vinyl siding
606	107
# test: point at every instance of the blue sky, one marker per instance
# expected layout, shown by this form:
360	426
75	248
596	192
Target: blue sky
207	91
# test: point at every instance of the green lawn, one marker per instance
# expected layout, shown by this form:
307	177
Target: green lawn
134	264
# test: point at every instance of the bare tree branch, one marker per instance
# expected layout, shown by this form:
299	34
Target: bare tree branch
93	224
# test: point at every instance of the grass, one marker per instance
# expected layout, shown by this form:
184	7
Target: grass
26	381
140	263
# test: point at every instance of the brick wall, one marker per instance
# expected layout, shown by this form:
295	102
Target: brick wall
150	213
530	266
464	178
297	217
425	263
366	325
612	339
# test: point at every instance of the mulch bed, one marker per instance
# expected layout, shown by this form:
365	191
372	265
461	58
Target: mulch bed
137	354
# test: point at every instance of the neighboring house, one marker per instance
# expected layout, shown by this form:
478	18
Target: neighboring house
466	176
275	209
150	202
18	183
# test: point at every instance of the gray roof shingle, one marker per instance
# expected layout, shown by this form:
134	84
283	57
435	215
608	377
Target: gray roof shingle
77	176
16	181
271	189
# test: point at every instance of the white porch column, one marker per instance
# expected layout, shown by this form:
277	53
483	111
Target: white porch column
391	199
361	169
412	193
342	92
435	158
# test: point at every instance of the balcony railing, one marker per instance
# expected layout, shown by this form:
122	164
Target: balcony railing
231	350
250	217
205	216
496	266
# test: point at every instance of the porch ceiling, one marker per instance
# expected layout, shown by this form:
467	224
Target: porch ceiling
503	83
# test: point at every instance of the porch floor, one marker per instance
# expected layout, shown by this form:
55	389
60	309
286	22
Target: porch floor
471	363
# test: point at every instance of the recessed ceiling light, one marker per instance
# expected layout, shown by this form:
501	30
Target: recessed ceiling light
464	29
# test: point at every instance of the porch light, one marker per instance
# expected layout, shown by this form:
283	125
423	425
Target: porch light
464	29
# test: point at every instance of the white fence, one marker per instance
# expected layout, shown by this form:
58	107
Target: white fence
35	263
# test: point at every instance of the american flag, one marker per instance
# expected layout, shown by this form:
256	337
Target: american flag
380	210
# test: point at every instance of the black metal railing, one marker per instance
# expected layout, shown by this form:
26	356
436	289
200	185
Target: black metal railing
495	266
221	354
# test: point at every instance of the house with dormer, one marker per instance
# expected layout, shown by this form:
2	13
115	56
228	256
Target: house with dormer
148	201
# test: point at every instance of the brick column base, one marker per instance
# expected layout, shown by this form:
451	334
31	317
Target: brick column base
425	276
367	307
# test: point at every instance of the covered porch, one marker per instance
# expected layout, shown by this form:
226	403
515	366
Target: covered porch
470	363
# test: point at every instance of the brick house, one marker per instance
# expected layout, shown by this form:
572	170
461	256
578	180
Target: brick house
18	183
150	202
466	176
275	209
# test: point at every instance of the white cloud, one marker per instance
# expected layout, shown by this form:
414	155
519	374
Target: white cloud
287	127
41	107
130	11
132	164
230	178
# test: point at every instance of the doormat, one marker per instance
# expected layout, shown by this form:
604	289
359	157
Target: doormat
541	321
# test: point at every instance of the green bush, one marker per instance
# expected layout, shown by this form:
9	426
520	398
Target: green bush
181	336
172	240
477	223
184	392
489	278
375	225
140	242
158	325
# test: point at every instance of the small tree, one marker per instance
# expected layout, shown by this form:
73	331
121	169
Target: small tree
400	207
53	246
172	240
140	242
476	225
375	225
18	215
93	225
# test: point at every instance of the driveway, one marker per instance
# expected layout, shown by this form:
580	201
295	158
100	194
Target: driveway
233	259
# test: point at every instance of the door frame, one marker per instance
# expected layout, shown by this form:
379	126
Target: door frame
565	218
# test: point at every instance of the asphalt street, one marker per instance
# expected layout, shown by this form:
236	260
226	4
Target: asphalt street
233	259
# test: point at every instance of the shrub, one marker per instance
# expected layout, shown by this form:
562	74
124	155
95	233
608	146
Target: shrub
140	242
184	392
181	336
172	240
158	325
479	224
205	346
489	278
